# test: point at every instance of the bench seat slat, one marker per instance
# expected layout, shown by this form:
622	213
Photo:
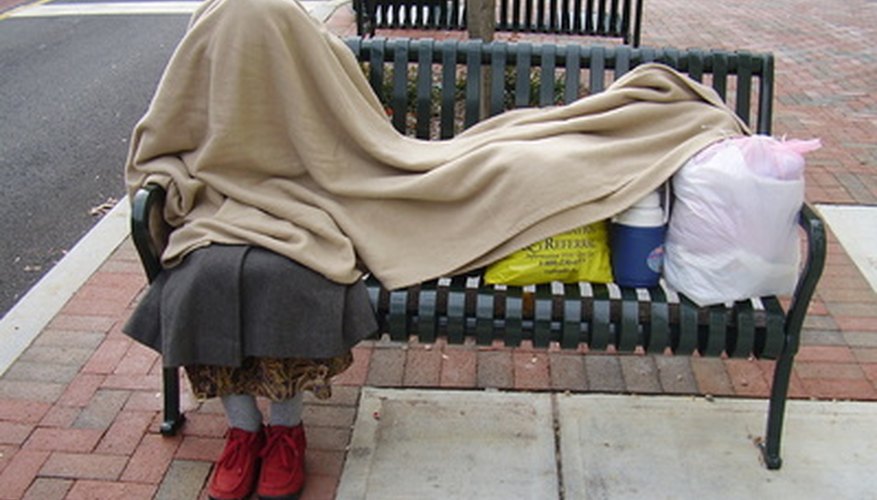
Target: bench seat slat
456	313
657	332
397	315
427	315
589	314
712	338
686	341
628	331
572	317
543	314
600	324
743	344
770	346
514	316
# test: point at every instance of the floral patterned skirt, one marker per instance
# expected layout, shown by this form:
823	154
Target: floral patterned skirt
272	378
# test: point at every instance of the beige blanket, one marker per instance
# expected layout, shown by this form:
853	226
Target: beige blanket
265	131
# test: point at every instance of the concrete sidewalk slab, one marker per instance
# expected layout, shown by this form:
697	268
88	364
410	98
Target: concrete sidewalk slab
856	228
463	445
629	447
486	444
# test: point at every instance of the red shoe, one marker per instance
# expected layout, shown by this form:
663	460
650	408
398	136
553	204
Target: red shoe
283	463
235	473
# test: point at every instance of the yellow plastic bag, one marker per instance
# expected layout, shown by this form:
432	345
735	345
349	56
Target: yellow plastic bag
578	255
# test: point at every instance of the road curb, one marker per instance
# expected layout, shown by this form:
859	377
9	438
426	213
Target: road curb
24	322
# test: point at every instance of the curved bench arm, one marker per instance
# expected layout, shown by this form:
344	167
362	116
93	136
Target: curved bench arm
814	227
148	229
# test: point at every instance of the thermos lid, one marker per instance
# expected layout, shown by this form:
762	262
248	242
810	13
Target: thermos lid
651	200
647	212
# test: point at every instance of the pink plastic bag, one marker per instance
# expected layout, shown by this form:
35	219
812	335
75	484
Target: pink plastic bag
775	158
781	159
733	229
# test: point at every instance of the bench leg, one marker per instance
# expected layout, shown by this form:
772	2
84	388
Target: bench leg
770	448
173	419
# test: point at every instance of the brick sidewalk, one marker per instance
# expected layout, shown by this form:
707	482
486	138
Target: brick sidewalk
80	409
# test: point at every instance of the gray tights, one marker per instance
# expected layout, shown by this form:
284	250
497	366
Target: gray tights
243	413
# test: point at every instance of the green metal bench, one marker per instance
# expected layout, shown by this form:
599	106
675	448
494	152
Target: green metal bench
434	89
605	18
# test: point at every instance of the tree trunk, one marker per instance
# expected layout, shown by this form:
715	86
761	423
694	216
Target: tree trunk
481	19
481	24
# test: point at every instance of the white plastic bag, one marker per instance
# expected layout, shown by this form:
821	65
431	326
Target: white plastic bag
733	229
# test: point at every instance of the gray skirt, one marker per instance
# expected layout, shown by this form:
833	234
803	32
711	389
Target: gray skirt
226	303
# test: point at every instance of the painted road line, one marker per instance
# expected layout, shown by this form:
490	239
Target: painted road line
125	8
106	9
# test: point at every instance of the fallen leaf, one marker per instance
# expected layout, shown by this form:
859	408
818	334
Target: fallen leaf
104	207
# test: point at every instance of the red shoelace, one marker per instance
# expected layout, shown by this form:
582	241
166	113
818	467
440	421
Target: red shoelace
284	444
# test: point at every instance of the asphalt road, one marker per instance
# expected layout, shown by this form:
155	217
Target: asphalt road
71	90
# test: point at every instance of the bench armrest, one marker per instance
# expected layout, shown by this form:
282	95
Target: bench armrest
148	228
814	228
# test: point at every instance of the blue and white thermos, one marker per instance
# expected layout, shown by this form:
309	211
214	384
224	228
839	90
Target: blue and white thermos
637	242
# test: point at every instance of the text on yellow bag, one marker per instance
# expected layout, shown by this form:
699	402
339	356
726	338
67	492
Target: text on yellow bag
581	254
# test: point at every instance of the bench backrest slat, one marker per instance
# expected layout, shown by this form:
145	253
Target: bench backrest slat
573	63
547	76
522	82
449	85
744	85
497	78
538	75
400	87
597	70
424	89
473	84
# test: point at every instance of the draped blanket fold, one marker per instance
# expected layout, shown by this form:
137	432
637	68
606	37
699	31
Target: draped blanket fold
265	131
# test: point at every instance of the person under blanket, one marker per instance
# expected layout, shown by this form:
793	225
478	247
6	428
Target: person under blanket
286	182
